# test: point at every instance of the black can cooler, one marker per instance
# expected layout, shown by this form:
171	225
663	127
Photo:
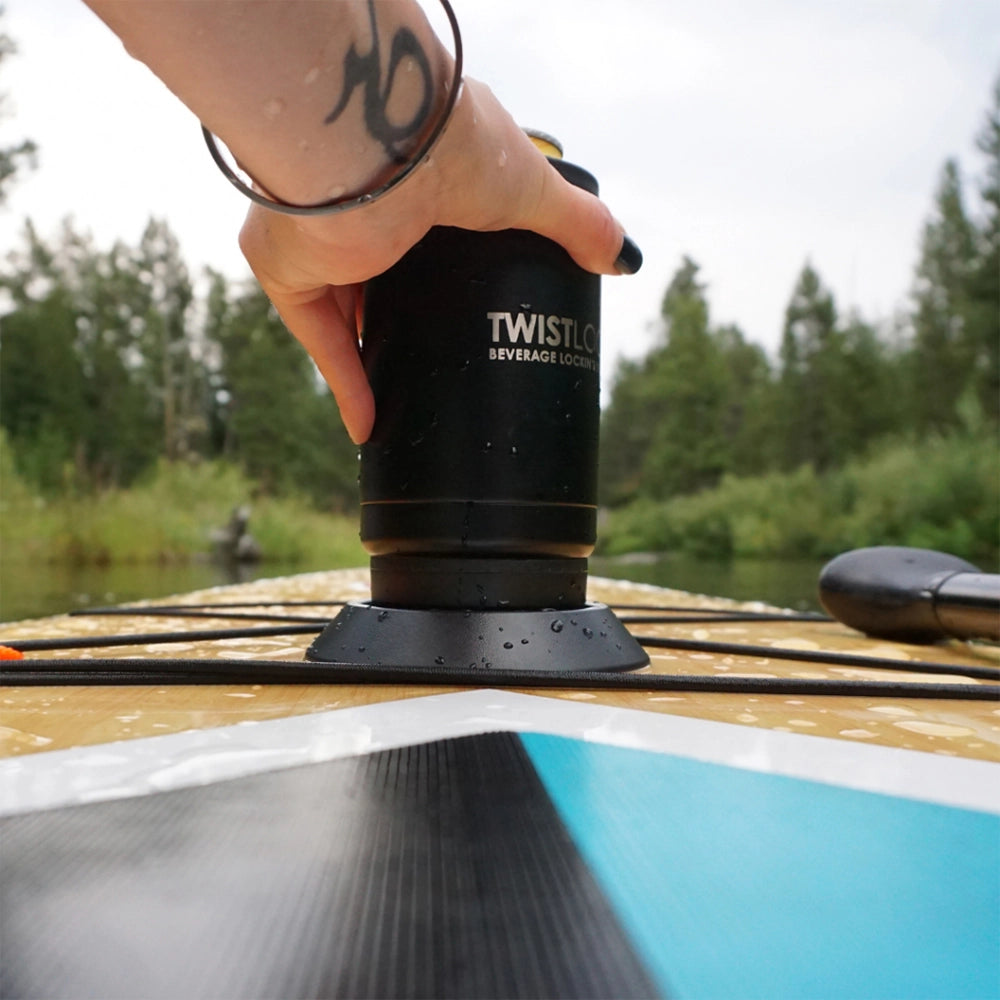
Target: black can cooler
483	353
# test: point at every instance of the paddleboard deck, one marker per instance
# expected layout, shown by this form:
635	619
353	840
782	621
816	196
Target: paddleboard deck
378	840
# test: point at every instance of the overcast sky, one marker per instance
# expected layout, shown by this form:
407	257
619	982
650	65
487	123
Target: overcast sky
748	134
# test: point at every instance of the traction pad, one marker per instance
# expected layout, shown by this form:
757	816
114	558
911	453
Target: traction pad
435	870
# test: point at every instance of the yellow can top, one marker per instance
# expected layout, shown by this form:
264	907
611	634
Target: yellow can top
548	144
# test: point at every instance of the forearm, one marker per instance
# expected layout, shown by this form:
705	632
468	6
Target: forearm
311	102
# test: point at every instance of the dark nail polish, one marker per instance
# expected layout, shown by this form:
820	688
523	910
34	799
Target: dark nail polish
629	257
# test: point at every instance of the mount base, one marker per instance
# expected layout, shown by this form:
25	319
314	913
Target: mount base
587	638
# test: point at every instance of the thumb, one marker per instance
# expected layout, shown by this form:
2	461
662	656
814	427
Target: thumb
584	226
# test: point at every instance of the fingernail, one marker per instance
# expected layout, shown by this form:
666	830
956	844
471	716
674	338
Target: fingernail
629	257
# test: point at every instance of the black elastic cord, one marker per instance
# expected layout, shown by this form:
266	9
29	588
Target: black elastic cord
694	617
818	656
139	609
228	672
196	612
149	638
787	616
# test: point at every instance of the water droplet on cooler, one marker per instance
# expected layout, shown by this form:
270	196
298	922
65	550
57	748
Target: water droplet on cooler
524	642
508	645
513	449
589	633
382	615
439	660
557	625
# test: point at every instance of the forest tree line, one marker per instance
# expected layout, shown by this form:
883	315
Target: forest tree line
113	359
704	403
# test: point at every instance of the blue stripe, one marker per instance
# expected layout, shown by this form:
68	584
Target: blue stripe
734	883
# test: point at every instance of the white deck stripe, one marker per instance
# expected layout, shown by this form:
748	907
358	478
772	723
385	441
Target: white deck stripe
141	766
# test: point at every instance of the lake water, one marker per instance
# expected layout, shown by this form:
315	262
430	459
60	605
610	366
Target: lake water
28	591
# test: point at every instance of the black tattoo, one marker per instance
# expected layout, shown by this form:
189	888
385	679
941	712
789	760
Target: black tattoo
366	71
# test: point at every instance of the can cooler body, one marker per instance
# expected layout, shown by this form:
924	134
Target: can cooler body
483	352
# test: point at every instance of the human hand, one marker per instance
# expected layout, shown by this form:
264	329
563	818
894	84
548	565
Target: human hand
484	174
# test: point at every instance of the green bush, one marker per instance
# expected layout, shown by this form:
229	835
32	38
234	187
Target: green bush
168	516
942	493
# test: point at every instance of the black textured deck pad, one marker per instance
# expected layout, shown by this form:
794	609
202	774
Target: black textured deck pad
436	870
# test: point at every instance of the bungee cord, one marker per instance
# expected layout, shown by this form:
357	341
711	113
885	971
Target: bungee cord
91	670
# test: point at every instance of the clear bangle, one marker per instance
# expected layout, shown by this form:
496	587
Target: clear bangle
260	196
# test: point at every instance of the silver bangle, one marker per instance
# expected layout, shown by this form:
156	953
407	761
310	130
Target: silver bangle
260	196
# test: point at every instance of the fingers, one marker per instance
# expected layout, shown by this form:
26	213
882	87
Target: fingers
583	225
327	331
499	179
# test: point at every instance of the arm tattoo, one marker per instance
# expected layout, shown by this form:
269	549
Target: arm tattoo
366	71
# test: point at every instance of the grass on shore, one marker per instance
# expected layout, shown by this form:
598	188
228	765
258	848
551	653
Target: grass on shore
167	518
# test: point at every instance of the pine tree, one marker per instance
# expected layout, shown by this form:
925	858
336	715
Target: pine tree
984	281
943	355
688	449
23	154
811	375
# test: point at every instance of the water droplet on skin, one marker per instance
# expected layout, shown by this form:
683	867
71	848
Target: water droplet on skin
502	159
337	191
272	108
557	625
312	76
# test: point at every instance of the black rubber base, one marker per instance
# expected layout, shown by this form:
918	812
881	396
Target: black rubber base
587	638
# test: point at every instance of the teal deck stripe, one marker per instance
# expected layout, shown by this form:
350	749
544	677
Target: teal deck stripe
735	883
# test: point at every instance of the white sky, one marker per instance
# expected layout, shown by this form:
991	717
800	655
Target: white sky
749	134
